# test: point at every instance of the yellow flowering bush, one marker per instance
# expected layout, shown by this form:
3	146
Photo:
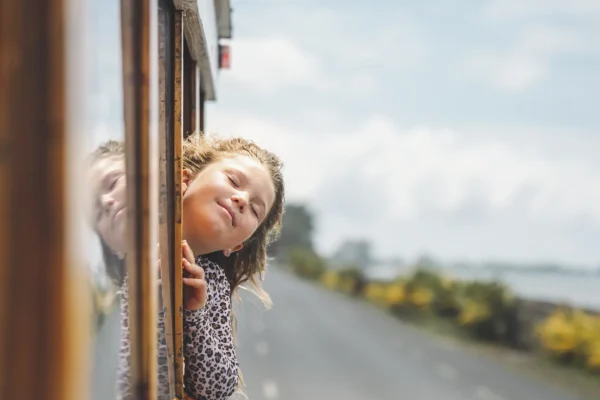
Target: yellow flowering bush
375	292
428	290
592	360
572	336
330	280
395	295
421	297
473	312
350	278
488	311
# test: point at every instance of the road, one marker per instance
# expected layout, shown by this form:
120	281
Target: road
106	357
315	344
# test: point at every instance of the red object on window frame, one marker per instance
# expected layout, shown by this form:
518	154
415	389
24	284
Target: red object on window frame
224	56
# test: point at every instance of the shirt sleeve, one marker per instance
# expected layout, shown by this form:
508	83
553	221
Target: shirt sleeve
211	365
124	373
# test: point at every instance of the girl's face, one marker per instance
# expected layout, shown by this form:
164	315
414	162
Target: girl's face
225	203
109	194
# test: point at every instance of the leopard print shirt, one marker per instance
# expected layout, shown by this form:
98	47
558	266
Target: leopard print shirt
211	366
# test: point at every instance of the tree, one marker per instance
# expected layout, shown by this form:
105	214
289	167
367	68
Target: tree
297	230
355	252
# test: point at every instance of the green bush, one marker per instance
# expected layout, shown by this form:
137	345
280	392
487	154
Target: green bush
352	280
427	289
488	311
306	263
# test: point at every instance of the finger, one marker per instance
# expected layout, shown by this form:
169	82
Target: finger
194	270
197	284
187	252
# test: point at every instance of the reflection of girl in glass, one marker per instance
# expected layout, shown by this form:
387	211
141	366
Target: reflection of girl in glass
233	197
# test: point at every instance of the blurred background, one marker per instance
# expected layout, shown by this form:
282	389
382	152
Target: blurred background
443	195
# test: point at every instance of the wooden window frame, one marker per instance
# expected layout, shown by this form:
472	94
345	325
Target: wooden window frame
43	298
173	119
37	113
177	285
201	112
190	99
166	173
140	145
177	92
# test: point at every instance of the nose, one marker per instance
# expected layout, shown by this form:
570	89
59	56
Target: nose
240	199
106	201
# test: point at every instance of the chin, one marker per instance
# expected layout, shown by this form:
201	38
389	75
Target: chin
212	229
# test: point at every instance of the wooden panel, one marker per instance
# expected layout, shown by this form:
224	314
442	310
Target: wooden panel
197	104
201	109
190	104
177	176
7	70
197	43
141	266
165	126
43	340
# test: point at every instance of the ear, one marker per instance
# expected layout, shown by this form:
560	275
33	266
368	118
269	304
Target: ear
186	179
237	248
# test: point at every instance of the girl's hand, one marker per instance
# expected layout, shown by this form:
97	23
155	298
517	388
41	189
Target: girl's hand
194	291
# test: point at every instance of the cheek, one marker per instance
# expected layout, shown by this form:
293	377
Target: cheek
191	202
248	229
195	211
121	190
105	233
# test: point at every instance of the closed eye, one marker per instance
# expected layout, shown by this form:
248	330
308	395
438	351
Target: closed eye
114	183
233	181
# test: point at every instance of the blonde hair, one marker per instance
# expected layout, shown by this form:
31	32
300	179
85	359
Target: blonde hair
248	264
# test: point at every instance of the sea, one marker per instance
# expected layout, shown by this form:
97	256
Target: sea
579	289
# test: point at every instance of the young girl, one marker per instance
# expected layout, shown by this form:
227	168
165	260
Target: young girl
233	196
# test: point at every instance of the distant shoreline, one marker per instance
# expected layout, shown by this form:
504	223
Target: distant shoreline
575	288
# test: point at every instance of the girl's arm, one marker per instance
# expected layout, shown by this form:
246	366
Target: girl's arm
211	366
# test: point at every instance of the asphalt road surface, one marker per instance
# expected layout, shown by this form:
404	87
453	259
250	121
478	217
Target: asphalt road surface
314	344
106	358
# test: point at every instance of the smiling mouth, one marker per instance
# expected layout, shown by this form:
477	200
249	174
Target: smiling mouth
229	212
117	214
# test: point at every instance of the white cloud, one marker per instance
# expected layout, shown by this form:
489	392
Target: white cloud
342	59
501	10
274	64
403	46
268	64
527	62
378	179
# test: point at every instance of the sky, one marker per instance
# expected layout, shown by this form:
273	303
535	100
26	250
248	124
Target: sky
463	129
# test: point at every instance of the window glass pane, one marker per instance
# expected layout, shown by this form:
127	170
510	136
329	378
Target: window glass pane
103	164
